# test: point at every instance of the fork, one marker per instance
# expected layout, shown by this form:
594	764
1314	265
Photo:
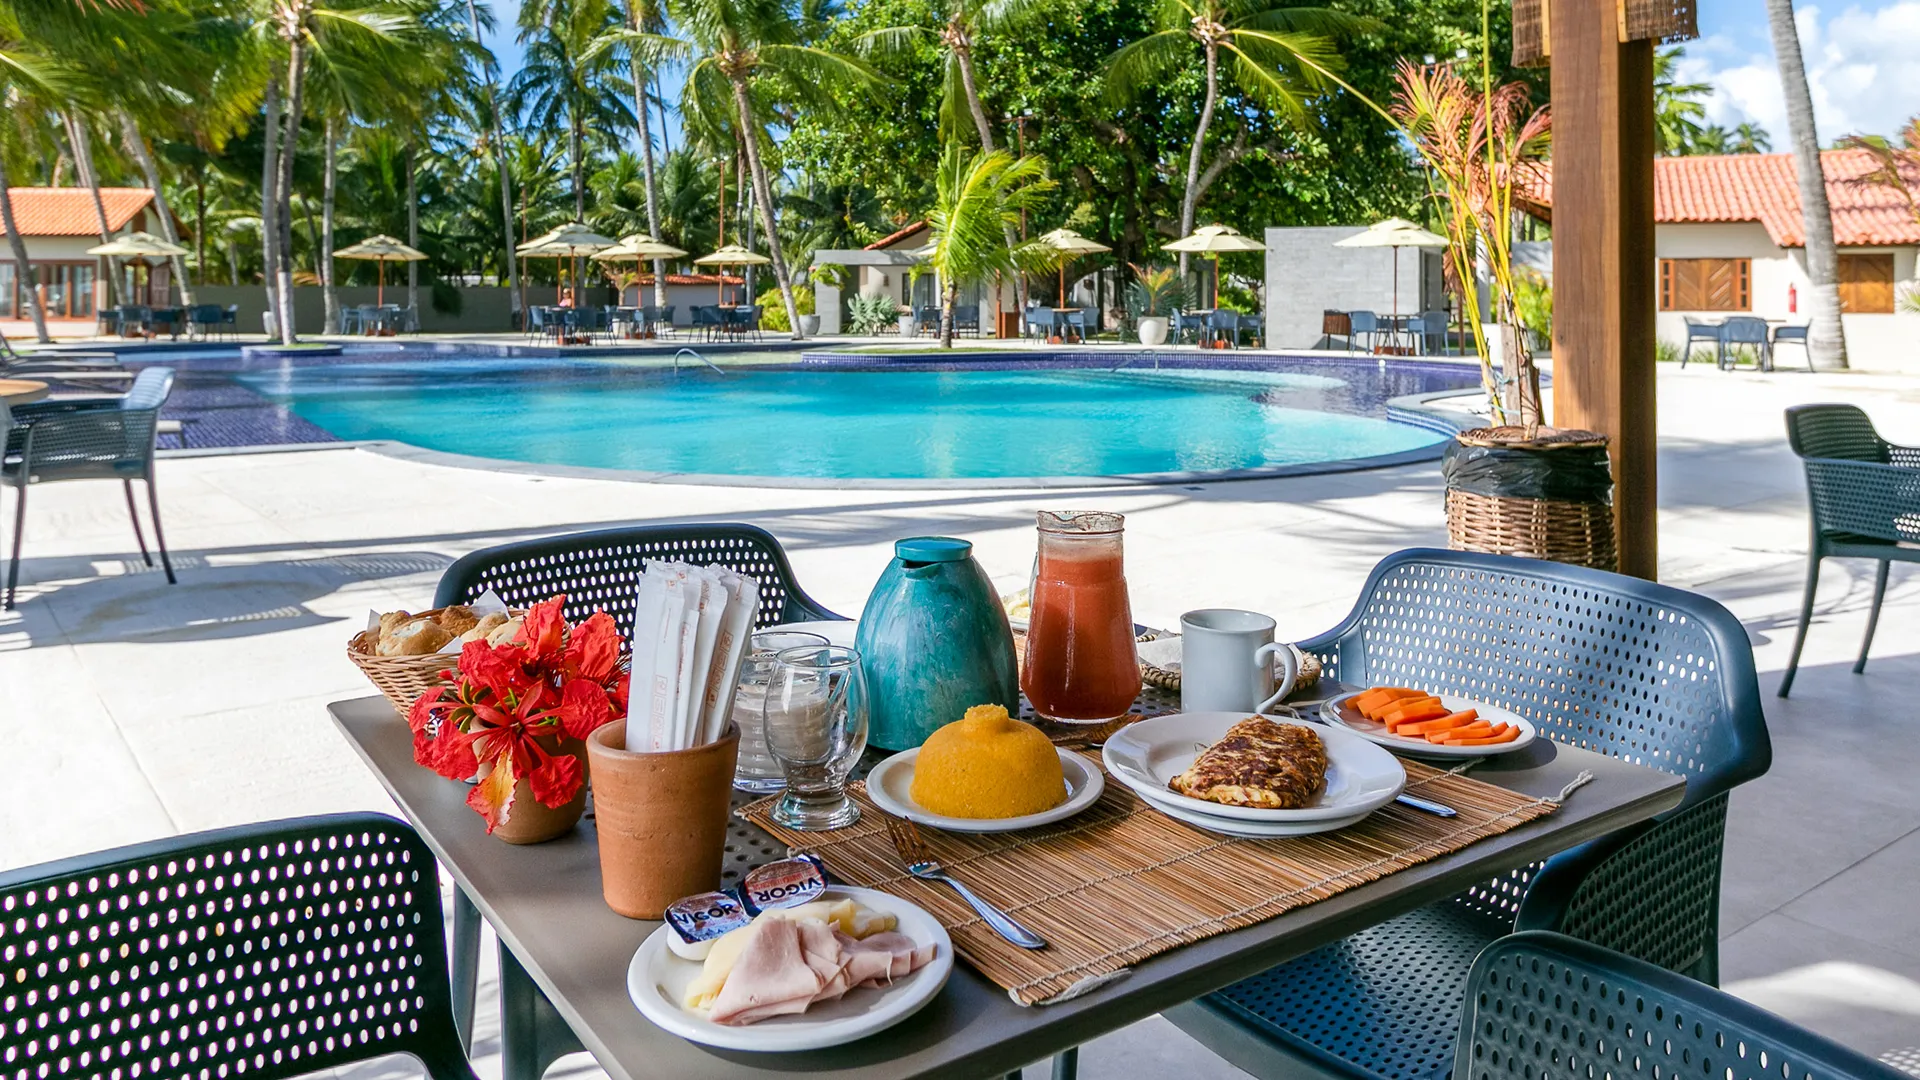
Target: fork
921	864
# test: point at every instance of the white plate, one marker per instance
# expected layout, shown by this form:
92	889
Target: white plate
890	782
837	631
657	980
1361	777
1337	712
1253	830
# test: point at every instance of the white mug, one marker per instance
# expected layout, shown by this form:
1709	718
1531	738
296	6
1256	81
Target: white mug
1225	665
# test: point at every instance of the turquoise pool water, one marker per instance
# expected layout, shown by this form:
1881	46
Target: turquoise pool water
825	425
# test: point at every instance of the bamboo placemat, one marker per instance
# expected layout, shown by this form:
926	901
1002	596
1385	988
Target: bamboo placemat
1122	882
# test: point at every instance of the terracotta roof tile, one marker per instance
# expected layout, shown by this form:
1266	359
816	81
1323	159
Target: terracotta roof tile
1763	188
66	211
895	237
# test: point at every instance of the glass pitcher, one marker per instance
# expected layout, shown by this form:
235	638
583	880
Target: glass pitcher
1080	666
755	770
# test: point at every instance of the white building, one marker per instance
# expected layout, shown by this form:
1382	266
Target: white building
58	226
1729	240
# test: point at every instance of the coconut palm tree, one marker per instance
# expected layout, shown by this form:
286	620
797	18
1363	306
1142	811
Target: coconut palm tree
1276	57
1826	338
24	70
748	54
1749	138
566	83
975	195
1678	112
642	40
489	76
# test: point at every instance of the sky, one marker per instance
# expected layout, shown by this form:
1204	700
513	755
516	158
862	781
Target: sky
1863	61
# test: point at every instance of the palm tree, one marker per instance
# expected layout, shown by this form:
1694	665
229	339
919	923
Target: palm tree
976	194
1749	138
688	189
490	74
566	83
748	49
1678	112
22	67
642	39
1826	338
1277	57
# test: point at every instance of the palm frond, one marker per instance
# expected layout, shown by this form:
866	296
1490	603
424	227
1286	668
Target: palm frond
1146	63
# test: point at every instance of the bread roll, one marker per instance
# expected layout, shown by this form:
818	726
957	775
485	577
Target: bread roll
394	620
504	633
417	638
457	619
485	626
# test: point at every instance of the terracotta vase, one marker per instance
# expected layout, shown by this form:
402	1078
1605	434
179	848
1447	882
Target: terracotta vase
532	821
662	819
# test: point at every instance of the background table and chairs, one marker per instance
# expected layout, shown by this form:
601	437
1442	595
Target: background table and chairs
1736	332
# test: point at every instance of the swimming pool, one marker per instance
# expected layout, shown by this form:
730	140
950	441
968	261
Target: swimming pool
887	422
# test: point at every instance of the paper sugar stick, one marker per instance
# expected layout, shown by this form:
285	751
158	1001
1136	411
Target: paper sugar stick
664	731
649	611
685	688
713	608
730	651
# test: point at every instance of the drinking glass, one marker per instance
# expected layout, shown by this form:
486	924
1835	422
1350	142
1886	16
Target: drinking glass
816	727
756	771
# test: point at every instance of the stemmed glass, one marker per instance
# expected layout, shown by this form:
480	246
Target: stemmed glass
816	728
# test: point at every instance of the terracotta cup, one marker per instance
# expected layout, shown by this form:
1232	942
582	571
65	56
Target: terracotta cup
662	819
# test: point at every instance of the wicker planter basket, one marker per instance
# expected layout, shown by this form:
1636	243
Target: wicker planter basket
401	678
1576	530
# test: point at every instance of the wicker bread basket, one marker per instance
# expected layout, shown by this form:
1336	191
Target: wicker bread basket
401	678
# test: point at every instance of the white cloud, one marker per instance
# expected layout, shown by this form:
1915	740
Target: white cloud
1863	65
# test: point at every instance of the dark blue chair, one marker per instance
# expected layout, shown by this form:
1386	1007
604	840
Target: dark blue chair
1546	1005
1188	325
1744	330
966	319
597	570
1362	322
1700	331
1613	664
102	438
1223	324
1793	335
1041	322
1864	496
1431	328
275	950
1074	325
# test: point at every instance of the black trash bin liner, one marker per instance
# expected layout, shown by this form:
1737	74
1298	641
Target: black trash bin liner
1579	474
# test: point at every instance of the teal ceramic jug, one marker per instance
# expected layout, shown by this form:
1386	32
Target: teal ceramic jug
933	643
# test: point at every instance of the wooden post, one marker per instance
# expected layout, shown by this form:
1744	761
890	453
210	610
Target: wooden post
1603	256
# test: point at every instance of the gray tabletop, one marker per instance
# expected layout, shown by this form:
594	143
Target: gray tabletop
544	901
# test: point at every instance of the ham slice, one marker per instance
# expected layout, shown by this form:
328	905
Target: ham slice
788	966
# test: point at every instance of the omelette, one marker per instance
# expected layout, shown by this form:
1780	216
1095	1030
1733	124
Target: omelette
1258	763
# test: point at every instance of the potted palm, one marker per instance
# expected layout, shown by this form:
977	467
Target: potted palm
1155	294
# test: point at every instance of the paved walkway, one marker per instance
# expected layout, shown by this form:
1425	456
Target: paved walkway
136	710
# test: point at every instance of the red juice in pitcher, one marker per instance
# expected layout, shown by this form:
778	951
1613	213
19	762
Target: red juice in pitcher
1080	666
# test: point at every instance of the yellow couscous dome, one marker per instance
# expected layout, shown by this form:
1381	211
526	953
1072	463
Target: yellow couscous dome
988	765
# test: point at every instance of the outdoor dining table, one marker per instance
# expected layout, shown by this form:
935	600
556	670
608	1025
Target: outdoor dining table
21	391
544	902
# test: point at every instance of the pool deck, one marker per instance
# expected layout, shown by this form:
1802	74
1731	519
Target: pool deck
137	710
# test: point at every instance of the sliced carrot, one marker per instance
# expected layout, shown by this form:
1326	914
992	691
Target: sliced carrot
1446	722
1507	736
1398	721
1407	705
1380	695
1470	731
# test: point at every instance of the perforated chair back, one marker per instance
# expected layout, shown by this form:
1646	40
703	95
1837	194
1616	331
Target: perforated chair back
600	570
86	439
271	950
1545	1005
1744	330
1834	431
1362	322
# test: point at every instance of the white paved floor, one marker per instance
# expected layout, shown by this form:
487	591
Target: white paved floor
135	710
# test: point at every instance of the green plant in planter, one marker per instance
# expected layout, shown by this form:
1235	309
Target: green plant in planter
870	315
1155	292
773	313
1666	352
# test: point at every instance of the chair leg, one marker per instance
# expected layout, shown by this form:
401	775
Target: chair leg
465	964
1066	1064
1806	616
1873	616
159	538
134	515
19	531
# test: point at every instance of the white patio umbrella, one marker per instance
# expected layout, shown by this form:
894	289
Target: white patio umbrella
139	245
568	241
731	255
382	249
1215	240
639	248
1394	233
1070	245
